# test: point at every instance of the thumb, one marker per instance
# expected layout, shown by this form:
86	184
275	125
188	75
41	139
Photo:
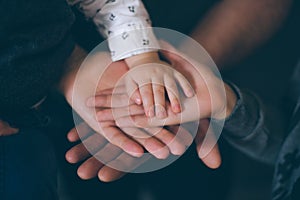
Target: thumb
207	147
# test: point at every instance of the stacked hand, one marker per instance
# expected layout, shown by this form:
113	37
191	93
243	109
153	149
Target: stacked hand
125	130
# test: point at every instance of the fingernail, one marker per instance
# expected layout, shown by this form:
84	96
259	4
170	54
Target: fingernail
177	108
138	101
190	93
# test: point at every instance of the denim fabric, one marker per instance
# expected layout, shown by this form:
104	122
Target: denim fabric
28	167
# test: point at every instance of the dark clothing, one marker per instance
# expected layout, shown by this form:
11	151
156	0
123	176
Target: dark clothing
34	44
265	134
28	168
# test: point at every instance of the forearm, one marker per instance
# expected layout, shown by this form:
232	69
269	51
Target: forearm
72	66
233	28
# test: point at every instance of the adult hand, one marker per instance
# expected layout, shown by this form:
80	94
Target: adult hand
6	130
103	159
80	84
207	151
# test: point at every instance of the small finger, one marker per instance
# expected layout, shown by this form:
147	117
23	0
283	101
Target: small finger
185	85
173	94
133	91
159	98
147	99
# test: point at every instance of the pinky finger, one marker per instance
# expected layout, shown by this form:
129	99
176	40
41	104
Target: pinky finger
185	85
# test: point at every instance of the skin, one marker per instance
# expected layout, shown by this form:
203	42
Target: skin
148	80
91	167
235	27
84	89
211	102
248	24
6	130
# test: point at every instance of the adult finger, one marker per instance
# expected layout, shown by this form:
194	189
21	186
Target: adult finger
89	169
169	139
77	154
152	144
182	134
108	174
83	129
110	100
207	147
118	138
113	114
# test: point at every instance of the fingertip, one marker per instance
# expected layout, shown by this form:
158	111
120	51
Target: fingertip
71	136
157	149
179	150
190	93
162	153
70	158
133	149
176	108
107	174
211	162
82	174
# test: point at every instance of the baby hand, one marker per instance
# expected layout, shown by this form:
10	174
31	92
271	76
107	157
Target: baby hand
149	79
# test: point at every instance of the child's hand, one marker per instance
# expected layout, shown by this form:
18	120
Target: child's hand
147	81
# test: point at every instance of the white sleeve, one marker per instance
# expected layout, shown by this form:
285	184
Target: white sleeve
125	23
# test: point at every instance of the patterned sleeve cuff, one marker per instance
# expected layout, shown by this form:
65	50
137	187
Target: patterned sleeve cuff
134	40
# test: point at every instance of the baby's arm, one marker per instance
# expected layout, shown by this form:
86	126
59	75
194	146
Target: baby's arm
127	26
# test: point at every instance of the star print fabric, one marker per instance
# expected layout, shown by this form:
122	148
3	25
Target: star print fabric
125	23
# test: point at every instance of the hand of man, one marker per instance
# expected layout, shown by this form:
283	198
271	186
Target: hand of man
6	130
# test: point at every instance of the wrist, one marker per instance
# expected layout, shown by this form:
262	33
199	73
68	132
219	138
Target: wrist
72	65
231	100
143	58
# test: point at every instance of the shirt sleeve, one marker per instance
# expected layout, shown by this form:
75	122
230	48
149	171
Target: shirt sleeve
125	23
254	129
